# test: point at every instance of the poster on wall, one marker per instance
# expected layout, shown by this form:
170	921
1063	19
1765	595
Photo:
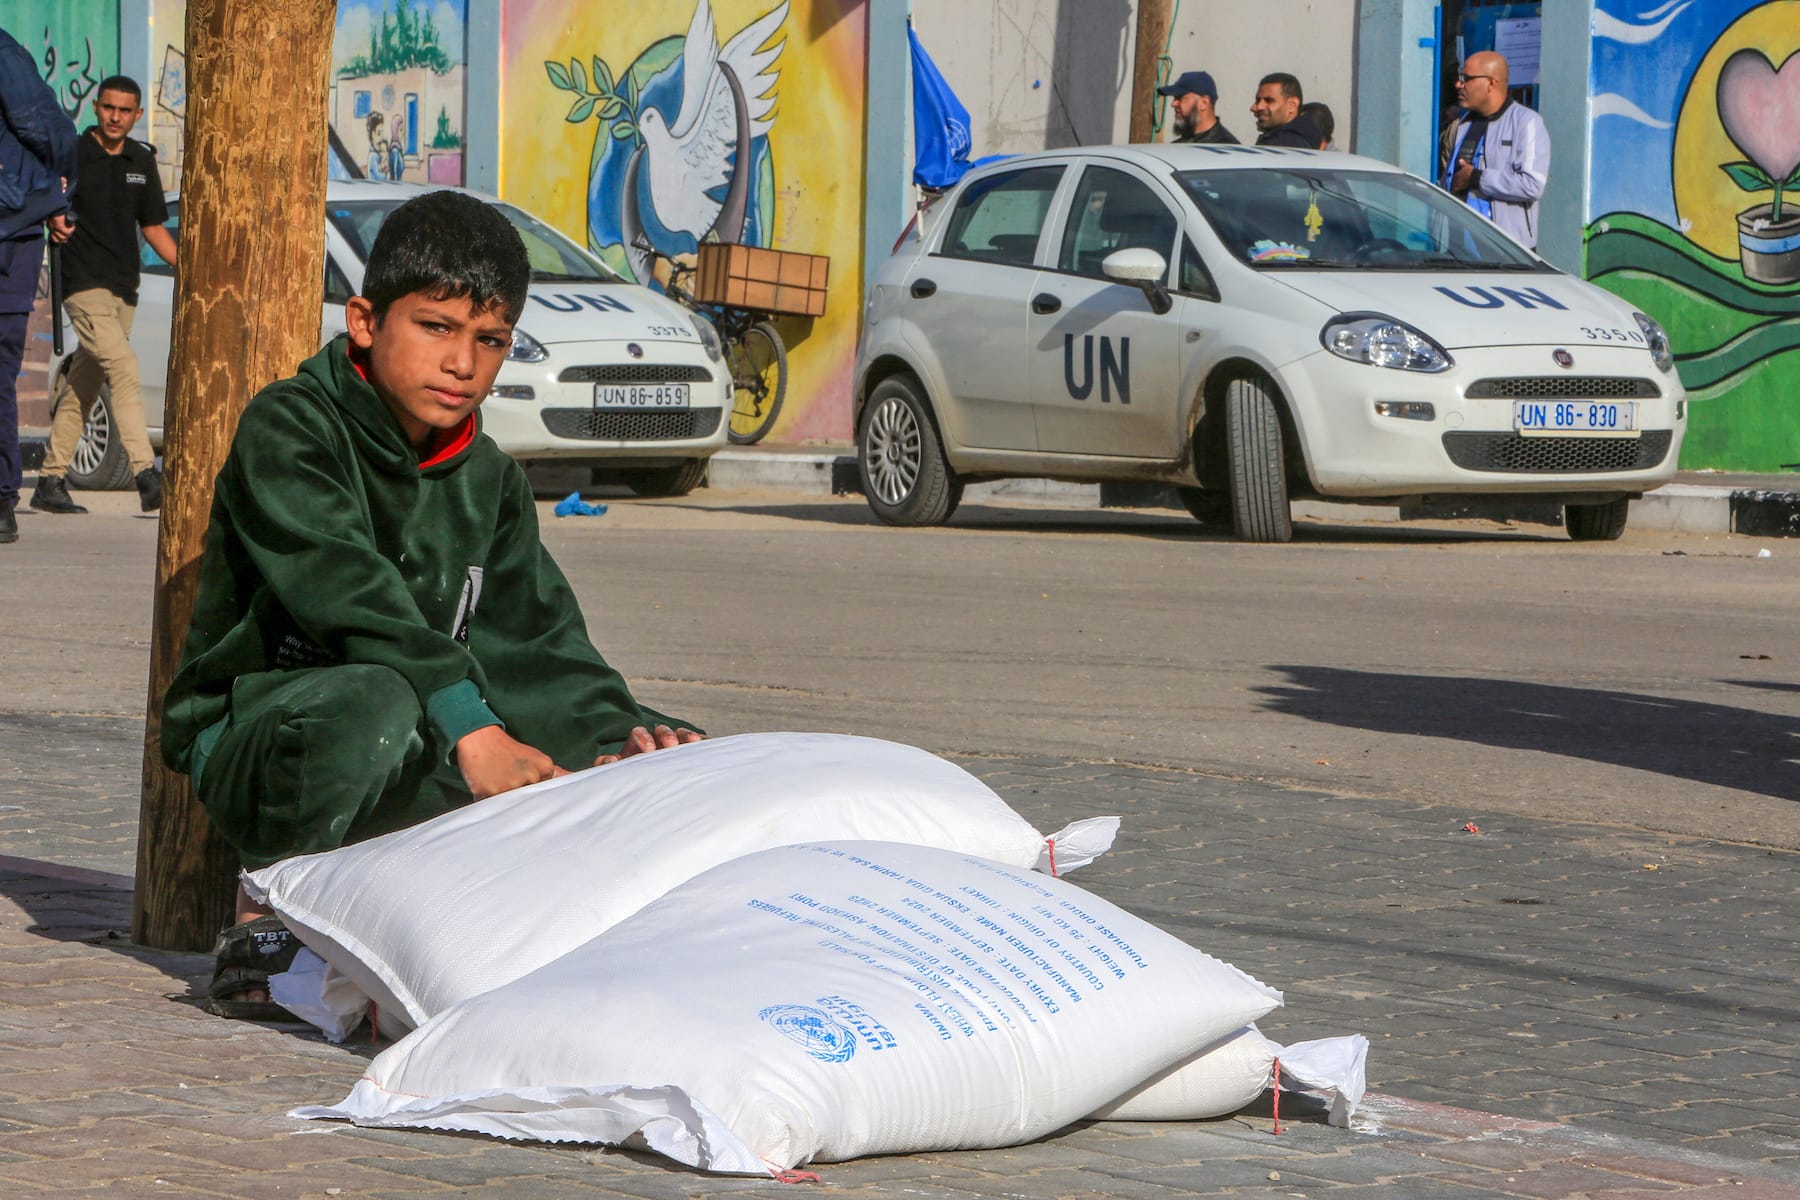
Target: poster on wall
165	101
397	81
645	130
1694	207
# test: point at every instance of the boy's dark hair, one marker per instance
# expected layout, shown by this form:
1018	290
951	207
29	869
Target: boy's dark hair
448	245
1290	86
1320	115
121	83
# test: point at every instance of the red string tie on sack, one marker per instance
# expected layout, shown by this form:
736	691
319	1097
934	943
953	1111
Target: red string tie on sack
1051	842
1276	1095
793	1176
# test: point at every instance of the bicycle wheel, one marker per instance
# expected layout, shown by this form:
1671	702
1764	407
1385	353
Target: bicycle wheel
758	364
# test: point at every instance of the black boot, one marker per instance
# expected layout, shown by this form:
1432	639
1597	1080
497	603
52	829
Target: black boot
9	525
51	495
149	486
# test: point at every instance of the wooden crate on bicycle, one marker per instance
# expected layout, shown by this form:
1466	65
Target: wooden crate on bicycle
754	277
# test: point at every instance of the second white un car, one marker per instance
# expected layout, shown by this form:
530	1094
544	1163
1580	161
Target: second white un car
1250	325
603	374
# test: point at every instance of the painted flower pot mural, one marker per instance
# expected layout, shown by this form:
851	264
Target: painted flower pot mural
1759	107
1769	249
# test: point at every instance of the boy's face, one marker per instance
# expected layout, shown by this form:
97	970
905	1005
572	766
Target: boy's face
431	361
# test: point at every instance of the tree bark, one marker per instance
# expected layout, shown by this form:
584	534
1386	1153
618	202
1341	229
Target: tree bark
248	296
1152	38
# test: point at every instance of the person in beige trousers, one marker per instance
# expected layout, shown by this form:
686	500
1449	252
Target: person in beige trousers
117	193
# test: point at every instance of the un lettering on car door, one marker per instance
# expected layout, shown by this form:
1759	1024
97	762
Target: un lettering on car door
1104	371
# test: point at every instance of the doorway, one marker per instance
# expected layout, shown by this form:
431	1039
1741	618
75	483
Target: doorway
1465	27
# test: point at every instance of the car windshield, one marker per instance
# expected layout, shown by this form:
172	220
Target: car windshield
554	258
1319	220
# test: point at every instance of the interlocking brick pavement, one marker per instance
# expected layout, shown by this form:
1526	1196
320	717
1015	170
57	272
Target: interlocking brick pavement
1550	1017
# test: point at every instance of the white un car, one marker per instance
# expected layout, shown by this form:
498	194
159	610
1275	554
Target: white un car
603	373
1250	325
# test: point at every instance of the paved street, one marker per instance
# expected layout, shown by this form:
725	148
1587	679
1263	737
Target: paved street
1590	992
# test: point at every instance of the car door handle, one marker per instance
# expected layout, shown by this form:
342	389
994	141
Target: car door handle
922	288
1044	302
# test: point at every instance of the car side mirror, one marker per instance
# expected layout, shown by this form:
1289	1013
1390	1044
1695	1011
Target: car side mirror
1141	269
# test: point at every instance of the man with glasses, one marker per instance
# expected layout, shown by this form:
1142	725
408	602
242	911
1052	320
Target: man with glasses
1499	155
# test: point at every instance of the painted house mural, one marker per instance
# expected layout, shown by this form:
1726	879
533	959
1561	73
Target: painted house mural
1694	207
165	93
397	73
644	130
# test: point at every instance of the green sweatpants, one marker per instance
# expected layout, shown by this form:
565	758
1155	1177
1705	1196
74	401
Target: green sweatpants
314	759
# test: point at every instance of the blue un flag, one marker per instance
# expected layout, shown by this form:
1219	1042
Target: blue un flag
940	124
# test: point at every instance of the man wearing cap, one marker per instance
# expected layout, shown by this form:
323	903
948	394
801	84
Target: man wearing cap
1195	121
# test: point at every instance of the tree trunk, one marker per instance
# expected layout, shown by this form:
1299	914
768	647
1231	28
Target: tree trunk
248	296
1152	39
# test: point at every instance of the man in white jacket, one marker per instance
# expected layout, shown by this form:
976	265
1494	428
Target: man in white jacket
1499	158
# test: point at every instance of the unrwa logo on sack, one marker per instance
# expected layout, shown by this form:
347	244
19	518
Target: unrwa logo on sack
813	1030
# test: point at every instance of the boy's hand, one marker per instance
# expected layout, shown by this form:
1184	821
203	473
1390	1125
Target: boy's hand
642	741
493	761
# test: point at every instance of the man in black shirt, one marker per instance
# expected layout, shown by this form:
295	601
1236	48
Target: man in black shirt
118	192
1194	96
1277	113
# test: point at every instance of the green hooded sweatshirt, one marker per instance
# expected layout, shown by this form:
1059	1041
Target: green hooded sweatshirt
329	543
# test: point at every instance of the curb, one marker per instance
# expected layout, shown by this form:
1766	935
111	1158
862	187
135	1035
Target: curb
1680	507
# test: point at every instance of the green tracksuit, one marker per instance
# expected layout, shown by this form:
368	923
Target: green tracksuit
358	613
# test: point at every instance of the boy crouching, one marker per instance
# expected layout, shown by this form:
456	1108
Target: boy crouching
379	635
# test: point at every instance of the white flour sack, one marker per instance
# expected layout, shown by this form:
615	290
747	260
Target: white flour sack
821	1002
1233	1073
431	915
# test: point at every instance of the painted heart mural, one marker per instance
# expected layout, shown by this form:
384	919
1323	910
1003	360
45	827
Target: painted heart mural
1759	107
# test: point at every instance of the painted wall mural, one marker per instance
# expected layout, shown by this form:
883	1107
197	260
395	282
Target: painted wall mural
644	130
76	43
165	98
1694	207
397	75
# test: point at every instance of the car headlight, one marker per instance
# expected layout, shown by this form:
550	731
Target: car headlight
525	348
1658	341
709	337
1382	342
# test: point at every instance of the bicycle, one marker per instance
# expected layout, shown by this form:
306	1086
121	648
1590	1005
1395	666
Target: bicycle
754	354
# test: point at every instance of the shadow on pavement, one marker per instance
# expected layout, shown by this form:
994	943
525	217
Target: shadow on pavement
1138	523
93	908
1714	744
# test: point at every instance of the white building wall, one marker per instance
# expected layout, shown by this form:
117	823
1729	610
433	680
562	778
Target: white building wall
1036	74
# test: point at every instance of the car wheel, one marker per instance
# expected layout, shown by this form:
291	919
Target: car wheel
1596	522
1259	500
1207	507
905	477
99	463
677	480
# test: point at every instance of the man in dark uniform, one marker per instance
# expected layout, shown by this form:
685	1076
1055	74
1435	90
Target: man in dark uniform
1193	97
1277	113
37	165
119	194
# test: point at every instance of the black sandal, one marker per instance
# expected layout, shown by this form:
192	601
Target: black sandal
243	959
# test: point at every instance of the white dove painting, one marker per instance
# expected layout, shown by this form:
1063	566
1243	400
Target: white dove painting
682	153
